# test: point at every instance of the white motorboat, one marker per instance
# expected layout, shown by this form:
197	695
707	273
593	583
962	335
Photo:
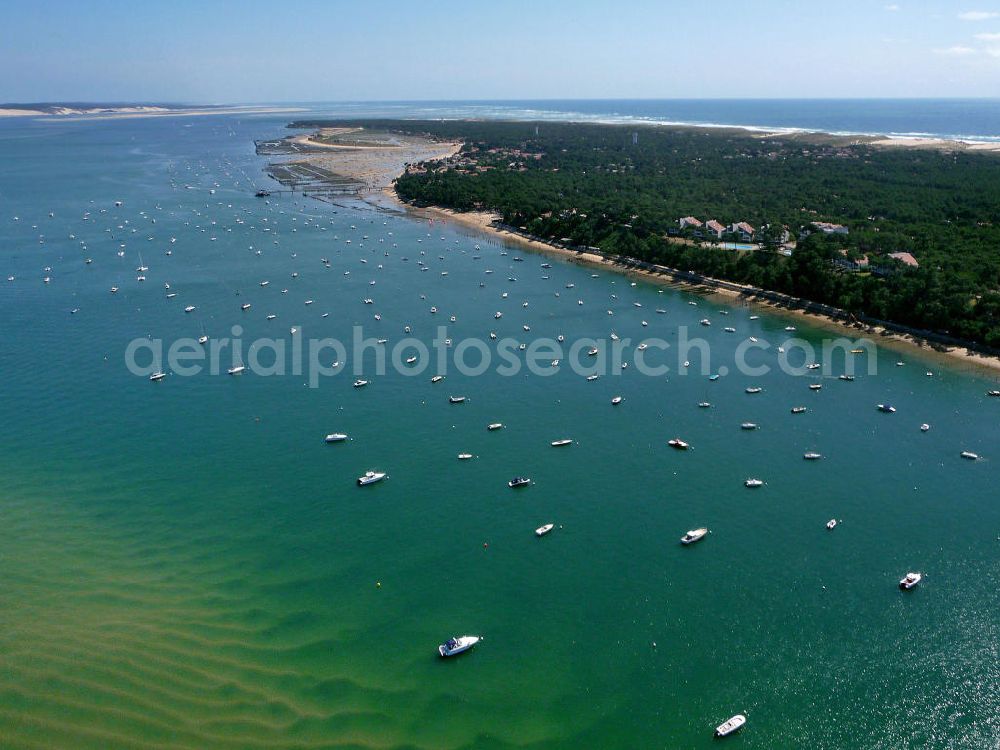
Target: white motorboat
203	339
754	482
887	408
456	399
411	360
236	370
458	644
616	400
694	535
848	378
335	437
749	426
815	386
730	725
812	456
437	378
706	322
970	455
924	427
831	524
519	482
245	306
798	410
678	444
543	530
371	477
754	389
189	308
464	456
994	394
813	366
560	443
704	405
592	353
592	378
494	426
910	580
360	383
157	376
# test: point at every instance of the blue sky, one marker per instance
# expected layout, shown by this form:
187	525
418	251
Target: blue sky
307	50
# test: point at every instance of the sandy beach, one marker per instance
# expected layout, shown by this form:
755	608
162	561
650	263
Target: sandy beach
112	113
485	224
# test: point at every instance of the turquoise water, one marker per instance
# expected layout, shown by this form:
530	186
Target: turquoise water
186	564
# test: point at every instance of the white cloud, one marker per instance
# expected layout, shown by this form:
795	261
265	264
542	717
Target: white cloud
988	37
977	15
993	52
957	51
892	7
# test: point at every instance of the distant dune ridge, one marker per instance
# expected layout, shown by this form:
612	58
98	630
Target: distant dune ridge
119	109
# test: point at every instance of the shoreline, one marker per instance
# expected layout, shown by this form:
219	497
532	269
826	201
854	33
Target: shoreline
718	289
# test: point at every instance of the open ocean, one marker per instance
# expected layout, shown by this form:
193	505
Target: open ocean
956	119
186	564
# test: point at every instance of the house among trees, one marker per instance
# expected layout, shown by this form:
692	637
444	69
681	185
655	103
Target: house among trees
905	258
715	228
828	228
743	230
689	221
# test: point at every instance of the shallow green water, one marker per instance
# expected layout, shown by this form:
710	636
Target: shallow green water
185	564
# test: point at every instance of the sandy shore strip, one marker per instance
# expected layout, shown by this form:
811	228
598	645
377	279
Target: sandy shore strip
118	113
485	224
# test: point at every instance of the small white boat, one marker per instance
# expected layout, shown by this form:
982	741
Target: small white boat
887	408
994	394
704	405
360	383
458	645
848	378
813	366
235	370
245	306
189	308
754	482
203	339
592	353
157	376
789	328
335	437
749	426
970	455
924	427
798	410
411	360
560	443
812	456
592	378
437	378
815	386
456	399
678	444
910	580
616	400
519	482
754	389
371	477
494	426
543	530
831	524
730	725
694	535
464	456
